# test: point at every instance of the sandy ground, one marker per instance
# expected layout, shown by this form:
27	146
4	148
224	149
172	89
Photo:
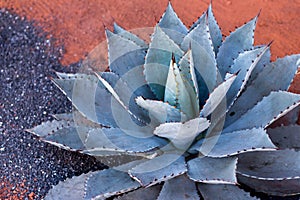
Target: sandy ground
79	24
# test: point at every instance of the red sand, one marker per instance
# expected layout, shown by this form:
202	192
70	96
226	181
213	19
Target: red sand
78	24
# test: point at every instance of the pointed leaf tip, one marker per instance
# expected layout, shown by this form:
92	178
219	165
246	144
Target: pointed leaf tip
172	25
239	40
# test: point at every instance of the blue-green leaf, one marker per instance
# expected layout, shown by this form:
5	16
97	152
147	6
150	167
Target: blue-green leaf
212	170
288	119
266	111
273	172
182	134
124	109
279	75
187	72
171	89
203	54
238	41
223	191
64	134
70	189
161	112
236	142
214	30
123	54
286	136
216	97
126	59
190	83
172	25
158	60
148	193
128	35
245	65
121	140
107	183
74	87
180	93
179	188
159	169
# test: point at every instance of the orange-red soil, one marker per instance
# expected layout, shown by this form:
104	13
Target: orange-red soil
79	24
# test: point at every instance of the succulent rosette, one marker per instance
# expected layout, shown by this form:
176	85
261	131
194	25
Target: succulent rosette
186	114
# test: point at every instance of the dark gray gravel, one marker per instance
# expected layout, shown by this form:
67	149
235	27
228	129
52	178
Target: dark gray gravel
27	98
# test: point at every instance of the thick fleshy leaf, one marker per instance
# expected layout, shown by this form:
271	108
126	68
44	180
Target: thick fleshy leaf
286	136
182	134
213	170
148	193
279	75
187	72
171	88
264	61
74	136
179	188
159	169
77	118
95	103
216	97
274	172
188	75
172	25
70	189
217	119
131	116
203	54
121	140
126	59
124	54
74	87
229	144
128	35
107	183
63	134
222	191
245	65
129	165
290	118
214	30
115	158
180	93
46	128
161	112
158	60
238	41
266	111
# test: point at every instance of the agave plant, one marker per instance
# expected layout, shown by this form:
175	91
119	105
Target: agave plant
183	117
